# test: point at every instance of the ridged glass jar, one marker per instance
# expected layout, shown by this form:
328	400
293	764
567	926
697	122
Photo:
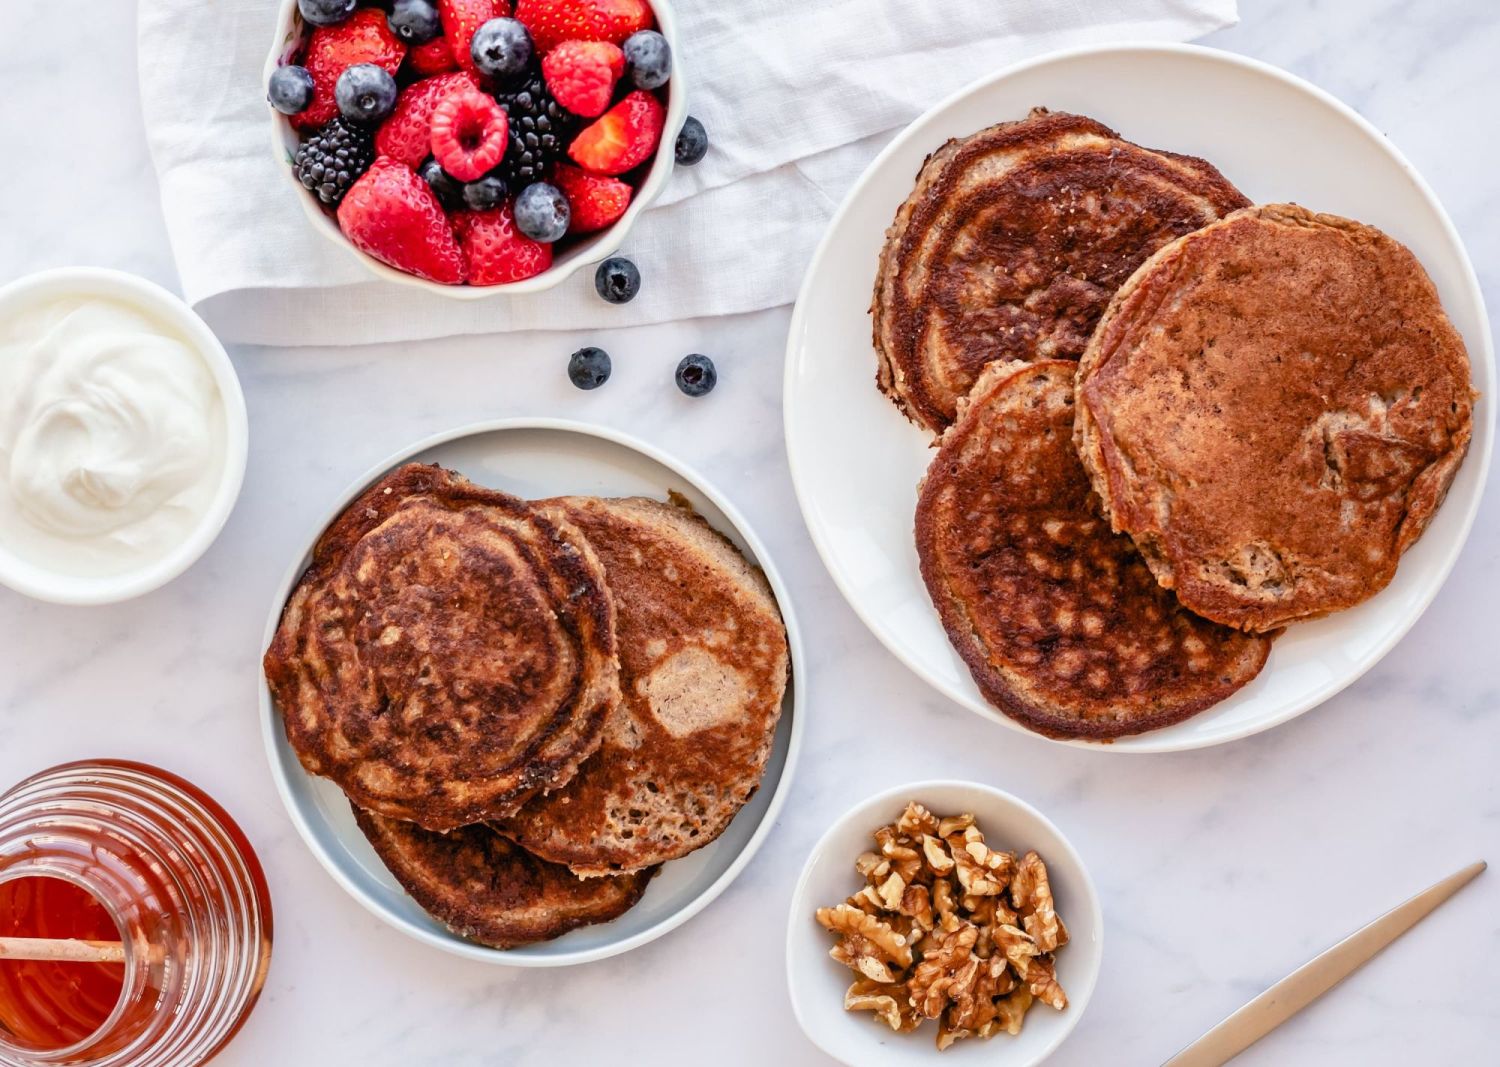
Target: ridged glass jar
180	882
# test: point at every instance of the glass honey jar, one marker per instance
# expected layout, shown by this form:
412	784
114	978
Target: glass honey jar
152	905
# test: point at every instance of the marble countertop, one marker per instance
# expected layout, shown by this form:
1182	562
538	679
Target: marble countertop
1221	870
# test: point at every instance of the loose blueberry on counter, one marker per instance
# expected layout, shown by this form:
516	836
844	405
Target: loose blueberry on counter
488	192
326	12
542	212
692	142
415	21
290	90
617	280
696	375
501	48
449	190
649	59
365	93
589	368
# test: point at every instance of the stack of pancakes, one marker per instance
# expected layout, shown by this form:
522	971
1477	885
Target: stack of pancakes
530	705
1169	423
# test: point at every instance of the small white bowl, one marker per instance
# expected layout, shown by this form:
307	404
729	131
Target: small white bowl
44	584
592	249
817	983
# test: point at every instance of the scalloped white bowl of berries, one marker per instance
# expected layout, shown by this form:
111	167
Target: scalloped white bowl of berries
478	146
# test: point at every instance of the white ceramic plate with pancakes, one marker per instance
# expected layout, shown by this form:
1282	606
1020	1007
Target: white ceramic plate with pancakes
856	461
536	458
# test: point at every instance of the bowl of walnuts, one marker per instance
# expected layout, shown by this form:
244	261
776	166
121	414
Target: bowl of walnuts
943	917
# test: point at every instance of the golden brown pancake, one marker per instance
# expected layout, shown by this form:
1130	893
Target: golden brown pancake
1060	622
703	667
448	653
487	889
1011	245
1274	408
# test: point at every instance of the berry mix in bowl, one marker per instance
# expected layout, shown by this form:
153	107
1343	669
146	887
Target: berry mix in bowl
464	145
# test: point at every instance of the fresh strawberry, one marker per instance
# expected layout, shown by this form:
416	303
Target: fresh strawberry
362	38
434	57
461	18
624	137
582	75
495	251
407	134
469	134
392	214
596	202
552	22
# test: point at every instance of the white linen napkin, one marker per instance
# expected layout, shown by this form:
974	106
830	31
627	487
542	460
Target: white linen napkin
797	96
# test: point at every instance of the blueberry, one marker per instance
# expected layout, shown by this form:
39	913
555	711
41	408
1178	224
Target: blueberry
449	190
649	59
617	280
692	142
501	48
542	212
415	21
485	193
290	90
589	368
696	375
326	12
365	93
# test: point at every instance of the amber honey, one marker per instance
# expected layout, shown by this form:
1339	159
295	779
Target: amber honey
122	852
50	1005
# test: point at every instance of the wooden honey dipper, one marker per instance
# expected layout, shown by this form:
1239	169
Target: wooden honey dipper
69	950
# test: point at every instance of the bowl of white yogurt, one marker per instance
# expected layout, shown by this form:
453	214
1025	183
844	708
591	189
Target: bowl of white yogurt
123	436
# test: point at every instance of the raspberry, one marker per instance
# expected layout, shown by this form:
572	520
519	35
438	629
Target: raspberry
582	75
470	133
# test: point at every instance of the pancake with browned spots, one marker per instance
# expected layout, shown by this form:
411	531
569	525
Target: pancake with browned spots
492	891
448	653
1058	619
703	669
1273	408
1013	242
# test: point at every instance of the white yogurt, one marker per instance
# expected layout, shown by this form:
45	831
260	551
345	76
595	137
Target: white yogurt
112	436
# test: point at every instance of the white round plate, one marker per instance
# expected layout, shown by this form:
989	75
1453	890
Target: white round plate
817	983
856	461
536	458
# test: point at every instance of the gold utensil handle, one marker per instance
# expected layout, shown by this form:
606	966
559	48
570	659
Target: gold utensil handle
1316	977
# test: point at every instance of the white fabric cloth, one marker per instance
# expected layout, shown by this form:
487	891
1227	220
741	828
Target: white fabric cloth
797	96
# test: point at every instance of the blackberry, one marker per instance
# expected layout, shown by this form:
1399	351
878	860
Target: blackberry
540	130
331	160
